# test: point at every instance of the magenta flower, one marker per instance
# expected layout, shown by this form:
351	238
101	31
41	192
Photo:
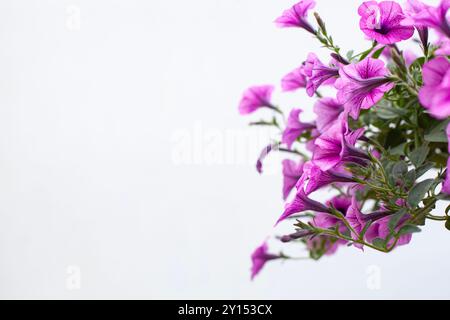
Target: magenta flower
295	128
318	73
255	98
337	146
412	9
294	80
302	203
382	22
297	16
327	221
446	184
356	220
327	111
444	47
362	85
313	178
380	229
291	173
435	94
264	153
410	57
260	257
433	17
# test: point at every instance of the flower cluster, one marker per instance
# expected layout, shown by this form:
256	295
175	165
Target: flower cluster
373	141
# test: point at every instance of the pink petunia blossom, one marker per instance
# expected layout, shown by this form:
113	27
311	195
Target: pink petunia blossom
337	146
318	73
295	128
362	85
292	171
294	80
255	98
260	257
263	155
327	111
313	178
432	17
328	221
444	47
356	220
302	203
380	230
435	93
412	9
297	16
382	22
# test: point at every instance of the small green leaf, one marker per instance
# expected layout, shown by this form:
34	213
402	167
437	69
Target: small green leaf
378	53
410	178
419	155
350	54
438	134
424	169
408	229
418	192
447	224
400	169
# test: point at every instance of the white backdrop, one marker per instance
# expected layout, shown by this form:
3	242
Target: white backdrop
124	171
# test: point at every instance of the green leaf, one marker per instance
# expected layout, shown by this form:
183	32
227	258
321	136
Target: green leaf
387	112
438	134
350	54
418	192
427	166
419	155
378	53
408	229
395	219
400	169
447	224
410	178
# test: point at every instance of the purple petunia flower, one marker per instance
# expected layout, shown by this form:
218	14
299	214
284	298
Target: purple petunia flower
446	184
337	146
255	98
362	85
313	178
380	230
295	128
433	17
297	16
379	227
264	153
412	9
294	80
260	257
435	94
383	22
318	73
327	221
292	171
444	47
327	111
302	203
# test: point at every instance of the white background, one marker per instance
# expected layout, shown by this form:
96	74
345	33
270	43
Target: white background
112	140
